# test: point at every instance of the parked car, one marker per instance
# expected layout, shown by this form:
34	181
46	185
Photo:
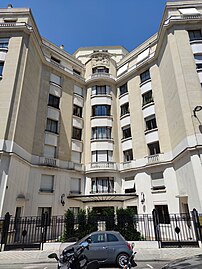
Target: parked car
194	262
108	247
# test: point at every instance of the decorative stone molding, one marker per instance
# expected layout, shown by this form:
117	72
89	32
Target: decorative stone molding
100	60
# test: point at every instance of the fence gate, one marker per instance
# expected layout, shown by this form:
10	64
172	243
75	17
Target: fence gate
177	230
23	232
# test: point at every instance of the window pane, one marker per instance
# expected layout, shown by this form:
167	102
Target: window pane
123	89
125	109
126	132
77	111
1	68
101	110
144	76
195	35
52	126
128	155
147	98
53	101
76	133
154	148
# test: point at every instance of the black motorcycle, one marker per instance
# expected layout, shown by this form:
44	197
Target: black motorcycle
74	258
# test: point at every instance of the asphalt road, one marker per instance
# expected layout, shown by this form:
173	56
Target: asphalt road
140	265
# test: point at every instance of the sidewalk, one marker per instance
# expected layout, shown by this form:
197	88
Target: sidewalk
143	254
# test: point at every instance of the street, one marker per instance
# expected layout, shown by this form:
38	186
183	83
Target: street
141	265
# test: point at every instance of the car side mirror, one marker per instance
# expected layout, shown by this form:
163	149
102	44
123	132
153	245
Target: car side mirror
53	256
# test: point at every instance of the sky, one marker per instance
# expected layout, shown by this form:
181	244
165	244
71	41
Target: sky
85	23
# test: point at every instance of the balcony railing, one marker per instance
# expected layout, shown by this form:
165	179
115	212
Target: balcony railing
154	158
100	75
103	191
110	165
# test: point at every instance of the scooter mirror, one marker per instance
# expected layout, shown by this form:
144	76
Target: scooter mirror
89	240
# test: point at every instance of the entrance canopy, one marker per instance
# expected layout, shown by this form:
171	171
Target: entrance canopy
101	197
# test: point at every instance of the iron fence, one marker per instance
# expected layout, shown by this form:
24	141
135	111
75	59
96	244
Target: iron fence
175	230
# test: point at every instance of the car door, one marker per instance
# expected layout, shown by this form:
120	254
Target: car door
98	248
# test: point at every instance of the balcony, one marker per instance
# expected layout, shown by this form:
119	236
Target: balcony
98	76
110	165
100	166
156	158
48	161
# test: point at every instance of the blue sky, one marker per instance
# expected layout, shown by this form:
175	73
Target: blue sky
82	23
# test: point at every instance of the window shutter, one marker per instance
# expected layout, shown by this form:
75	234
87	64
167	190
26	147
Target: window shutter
47	183
76	156
49	151
75	186
55	79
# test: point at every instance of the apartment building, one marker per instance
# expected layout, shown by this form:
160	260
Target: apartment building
103	127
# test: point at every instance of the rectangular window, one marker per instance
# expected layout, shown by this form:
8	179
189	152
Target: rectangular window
77	111
195	35
147	98
101	110
125	109
75	210
53	101
76	133
55	60
76	72
128	155
1	68
75	185
123	88
52	126
163	214
144	76
102	185
101	90
100	69
101	156
157	181
126	132
101	133
154	148
47	182
150	123
199	66
4	43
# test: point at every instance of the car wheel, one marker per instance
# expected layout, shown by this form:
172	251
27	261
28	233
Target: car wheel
122	259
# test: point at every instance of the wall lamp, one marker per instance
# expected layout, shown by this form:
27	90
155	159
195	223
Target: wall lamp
197	109
62	199
142	197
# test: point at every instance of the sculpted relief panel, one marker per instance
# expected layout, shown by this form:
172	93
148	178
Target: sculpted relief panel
100	60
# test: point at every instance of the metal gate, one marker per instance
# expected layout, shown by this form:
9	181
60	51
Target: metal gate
177	230
23	232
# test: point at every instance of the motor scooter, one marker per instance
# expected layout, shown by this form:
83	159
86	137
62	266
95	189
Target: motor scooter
130	263
74	258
